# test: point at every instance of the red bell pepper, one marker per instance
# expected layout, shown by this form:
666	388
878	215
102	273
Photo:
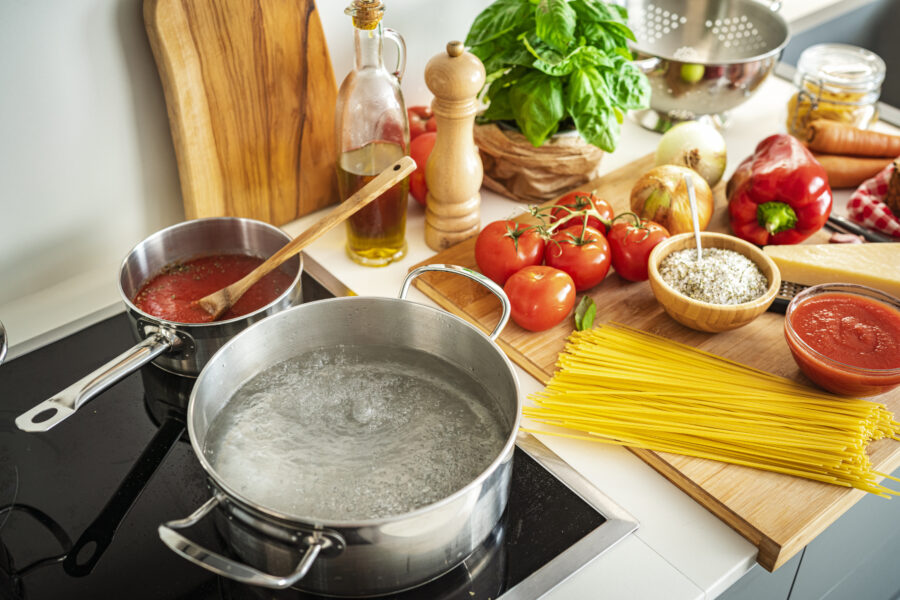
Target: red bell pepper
778	195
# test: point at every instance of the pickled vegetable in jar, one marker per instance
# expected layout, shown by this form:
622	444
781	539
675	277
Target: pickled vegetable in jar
837	82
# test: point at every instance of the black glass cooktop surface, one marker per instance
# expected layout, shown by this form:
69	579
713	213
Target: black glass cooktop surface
80	504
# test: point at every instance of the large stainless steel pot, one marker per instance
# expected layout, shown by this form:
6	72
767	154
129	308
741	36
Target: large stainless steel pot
181	348
367	557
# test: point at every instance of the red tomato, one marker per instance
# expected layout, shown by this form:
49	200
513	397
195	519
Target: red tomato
504	247
582	252
575	201
540	296
631	245
420	118
420	150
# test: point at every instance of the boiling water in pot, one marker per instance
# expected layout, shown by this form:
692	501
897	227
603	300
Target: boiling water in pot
350	433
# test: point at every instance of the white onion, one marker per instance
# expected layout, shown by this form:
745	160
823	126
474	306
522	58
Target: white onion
696	145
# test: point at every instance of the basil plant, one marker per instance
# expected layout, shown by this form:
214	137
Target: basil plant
558	64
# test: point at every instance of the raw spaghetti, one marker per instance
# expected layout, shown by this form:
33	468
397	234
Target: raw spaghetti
620	385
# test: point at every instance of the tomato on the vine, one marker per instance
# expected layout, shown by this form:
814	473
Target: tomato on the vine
577	201
631	244
582	252
540	296
504	247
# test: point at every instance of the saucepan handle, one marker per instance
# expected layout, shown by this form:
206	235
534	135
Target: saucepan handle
227	567
3	343
50	413
473	275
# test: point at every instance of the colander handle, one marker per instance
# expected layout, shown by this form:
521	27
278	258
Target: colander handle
647	65
773	5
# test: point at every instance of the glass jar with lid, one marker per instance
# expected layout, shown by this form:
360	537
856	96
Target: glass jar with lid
837	82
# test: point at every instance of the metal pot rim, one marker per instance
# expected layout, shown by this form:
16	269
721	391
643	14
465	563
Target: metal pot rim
338	524
167	231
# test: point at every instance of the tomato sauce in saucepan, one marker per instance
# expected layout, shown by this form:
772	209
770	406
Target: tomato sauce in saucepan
853	330
171	294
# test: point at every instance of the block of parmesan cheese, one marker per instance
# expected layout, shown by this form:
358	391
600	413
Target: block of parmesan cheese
874	265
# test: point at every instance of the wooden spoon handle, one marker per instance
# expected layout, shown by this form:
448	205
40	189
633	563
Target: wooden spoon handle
382	182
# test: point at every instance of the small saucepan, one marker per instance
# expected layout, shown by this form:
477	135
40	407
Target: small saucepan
180	348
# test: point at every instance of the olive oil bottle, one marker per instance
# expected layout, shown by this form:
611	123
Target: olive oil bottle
372	133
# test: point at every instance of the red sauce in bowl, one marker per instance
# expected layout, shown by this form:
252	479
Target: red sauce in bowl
171	294
846	338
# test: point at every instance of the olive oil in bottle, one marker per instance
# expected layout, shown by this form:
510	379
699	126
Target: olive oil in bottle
376	235
372	131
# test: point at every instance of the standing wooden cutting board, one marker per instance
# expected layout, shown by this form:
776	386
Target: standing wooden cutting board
251	97
777	513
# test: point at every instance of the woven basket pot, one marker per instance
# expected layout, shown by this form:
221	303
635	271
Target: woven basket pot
518	170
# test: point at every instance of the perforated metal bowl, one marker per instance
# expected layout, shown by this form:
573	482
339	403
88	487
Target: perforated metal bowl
703	57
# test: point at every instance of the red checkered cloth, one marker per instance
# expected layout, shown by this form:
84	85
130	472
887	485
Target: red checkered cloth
866	208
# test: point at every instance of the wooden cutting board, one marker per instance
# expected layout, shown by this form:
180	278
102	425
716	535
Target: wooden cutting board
777	513
251	97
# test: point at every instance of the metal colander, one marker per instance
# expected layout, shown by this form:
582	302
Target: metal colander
703	57
707	31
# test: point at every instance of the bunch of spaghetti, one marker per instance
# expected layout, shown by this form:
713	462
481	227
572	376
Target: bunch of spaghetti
628	387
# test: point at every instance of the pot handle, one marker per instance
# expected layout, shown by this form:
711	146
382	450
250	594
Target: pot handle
474	276
50	413
227	567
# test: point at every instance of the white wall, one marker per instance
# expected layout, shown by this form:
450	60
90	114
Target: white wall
87	167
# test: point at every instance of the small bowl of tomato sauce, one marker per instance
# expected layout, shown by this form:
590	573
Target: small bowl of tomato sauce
846	338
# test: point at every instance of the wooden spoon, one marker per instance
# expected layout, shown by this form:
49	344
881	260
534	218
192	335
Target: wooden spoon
219	302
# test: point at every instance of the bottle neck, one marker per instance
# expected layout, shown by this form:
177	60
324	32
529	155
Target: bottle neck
368	44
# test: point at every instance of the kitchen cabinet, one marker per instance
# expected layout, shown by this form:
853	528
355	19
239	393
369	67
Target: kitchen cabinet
856	557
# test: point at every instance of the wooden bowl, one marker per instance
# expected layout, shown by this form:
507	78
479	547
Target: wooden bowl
705	316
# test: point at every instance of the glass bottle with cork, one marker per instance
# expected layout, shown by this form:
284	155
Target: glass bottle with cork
372	132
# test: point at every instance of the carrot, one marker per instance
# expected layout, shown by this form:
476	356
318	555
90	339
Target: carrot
831	137
850	171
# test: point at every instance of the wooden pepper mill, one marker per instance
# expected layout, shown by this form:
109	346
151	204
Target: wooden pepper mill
454	170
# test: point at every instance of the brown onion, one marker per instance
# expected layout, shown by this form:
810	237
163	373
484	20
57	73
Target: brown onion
661	195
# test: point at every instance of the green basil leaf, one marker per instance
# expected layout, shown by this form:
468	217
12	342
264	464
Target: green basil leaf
499	108
591	56
555	23
593	11
632	90
585	313
499	56
498	19
615	28
537	102
588	100
547	60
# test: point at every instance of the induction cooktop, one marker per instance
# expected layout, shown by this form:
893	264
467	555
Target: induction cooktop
80	504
